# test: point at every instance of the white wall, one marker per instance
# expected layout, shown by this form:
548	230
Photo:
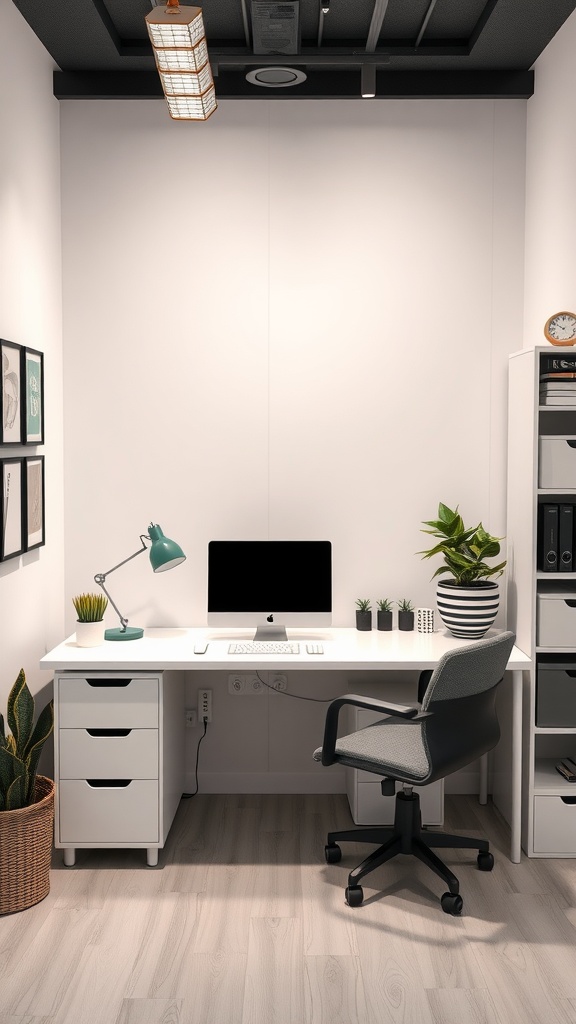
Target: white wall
31	587
292	321
550	193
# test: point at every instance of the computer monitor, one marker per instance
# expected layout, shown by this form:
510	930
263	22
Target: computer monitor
270	584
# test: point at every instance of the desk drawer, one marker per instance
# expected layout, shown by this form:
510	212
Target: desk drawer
110	814
87	756
108	702
554	825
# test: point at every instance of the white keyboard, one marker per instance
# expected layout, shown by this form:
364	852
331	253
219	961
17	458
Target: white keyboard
264	647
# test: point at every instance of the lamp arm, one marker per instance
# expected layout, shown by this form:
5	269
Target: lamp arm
100	578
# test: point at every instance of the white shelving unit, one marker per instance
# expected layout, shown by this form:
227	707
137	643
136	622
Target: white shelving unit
548	801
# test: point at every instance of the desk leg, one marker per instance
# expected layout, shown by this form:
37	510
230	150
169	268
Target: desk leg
516	814
152	856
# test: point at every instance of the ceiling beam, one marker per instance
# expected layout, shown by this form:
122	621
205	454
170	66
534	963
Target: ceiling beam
323	83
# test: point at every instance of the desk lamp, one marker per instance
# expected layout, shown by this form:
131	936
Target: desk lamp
164	554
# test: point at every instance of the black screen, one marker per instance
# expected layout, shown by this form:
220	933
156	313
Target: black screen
270	575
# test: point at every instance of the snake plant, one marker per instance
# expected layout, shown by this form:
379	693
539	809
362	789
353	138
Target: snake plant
20	748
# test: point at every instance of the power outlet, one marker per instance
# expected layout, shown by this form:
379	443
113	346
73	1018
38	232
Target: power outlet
237	683
191	718
204	705
254	684
278	681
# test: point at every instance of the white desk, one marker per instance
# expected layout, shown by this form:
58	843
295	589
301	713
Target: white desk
344	649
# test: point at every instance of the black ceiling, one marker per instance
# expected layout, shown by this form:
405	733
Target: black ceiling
421	48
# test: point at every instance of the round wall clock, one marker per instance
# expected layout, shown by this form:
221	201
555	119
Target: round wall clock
560	329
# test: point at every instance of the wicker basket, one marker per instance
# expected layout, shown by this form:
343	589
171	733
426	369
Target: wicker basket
26	850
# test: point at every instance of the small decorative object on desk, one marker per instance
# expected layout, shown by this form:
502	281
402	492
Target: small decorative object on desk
468	601
90	610
425	620
364	614
26	802
405	614
384	614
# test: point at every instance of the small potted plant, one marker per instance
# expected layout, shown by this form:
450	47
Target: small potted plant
468	600
384	614
26	802
90	610
363	614
405	614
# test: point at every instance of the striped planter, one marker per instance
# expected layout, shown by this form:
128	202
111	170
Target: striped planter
468	611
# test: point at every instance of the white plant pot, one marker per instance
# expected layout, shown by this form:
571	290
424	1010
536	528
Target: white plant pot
90	634
468	611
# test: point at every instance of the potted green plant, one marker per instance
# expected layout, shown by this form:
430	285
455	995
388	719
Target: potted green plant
405	614
363	614
384	614
468	600
90	610
26	802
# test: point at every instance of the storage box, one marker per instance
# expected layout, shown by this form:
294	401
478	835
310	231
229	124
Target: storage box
555	825
557	462
556	694
556	619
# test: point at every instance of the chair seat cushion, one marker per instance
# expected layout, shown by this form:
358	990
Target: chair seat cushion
390	747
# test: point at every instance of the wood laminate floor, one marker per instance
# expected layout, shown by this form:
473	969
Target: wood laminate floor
243	922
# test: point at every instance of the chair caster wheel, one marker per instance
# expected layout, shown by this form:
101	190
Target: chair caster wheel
332	853
485	861
452	903
354	895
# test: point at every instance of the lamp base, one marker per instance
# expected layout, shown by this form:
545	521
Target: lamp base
130	633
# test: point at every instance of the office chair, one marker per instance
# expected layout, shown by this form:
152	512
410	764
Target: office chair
455	724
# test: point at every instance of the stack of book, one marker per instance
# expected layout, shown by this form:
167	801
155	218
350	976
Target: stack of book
558	388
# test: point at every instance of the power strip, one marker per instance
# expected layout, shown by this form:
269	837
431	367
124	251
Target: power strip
204	705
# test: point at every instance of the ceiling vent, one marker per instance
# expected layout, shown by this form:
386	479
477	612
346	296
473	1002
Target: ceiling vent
275	27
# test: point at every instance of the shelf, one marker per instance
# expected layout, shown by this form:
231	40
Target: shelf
551	730
547	781
556	577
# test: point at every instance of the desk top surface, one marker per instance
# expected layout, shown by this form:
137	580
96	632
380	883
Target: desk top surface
343	649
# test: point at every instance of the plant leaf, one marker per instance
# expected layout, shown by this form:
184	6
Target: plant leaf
20	712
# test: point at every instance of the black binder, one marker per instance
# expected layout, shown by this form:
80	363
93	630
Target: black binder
565	535
549	544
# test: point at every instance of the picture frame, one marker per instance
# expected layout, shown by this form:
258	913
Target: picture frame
11	508
33	396
10	393
34	517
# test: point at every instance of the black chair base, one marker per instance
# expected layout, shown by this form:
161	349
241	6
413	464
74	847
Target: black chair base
407	836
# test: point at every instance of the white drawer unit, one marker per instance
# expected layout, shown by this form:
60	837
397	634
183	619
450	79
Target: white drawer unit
119	759
368	806
555	825
557	462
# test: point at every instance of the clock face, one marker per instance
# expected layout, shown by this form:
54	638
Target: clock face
560	329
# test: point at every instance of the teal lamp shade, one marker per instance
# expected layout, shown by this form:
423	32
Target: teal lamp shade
164	553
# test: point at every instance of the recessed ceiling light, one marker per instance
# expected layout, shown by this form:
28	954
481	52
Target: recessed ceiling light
275	78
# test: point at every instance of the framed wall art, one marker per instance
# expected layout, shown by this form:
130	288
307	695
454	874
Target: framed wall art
12	513
34	534
11	416
33	396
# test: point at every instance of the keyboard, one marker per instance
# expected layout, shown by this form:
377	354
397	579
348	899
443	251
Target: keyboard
264	647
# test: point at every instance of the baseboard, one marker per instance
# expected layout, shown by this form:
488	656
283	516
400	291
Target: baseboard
301	782
268	782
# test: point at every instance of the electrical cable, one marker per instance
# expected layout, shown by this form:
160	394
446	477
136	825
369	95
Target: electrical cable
186	796
297	696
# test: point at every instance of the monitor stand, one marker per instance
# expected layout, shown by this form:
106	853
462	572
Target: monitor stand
271	632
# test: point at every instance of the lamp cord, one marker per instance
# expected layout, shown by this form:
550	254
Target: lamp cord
296	696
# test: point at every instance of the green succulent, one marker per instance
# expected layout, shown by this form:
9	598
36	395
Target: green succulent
364	604
90	607
20	749
404	605
464	549
384	605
